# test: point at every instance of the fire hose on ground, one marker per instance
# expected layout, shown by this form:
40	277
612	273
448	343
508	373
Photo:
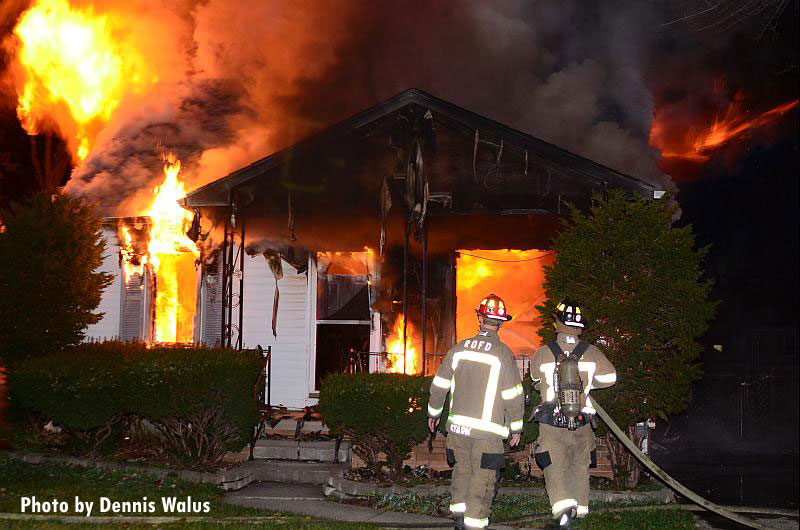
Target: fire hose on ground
725	511
669	481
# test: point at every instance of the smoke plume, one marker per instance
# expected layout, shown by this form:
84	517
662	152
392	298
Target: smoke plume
238	80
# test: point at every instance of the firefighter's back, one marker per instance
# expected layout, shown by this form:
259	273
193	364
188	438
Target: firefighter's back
478	365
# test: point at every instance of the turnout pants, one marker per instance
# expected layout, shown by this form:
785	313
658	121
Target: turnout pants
476	469
565	457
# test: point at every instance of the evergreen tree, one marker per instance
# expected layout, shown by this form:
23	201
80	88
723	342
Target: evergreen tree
640	283
50	248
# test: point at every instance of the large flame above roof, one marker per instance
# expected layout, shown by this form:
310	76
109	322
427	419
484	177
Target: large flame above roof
76	67
697	142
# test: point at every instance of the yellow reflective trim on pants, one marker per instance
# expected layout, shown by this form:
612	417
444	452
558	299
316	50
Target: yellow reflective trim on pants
516	425
476	423
563	504
476	523
582	510
460	507
441	382
511	393
435	412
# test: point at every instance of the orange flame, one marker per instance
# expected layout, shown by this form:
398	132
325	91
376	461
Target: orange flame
171	254
696	144
75	70
353	263
131	262
173	257
516	276
394	347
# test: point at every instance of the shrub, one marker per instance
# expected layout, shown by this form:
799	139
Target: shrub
198	399
50	248
383	414
641	283
530	431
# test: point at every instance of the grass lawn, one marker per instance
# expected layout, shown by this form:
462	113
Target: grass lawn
48	481
510	506
286	524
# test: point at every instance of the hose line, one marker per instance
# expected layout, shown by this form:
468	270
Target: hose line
724	511
671	482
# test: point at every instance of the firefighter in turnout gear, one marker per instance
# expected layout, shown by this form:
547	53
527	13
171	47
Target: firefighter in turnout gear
486	405
565	370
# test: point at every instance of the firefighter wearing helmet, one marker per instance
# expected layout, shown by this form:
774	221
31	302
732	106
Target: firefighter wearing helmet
486	406
564	371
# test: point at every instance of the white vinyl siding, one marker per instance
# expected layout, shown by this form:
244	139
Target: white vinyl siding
108	327
290	350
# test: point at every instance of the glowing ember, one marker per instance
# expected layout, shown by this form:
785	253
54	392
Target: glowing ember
394	347
514	275
697	143
350	263
131	262
75	70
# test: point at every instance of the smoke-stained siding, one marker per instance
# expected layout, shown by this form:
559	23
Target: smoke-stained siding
108	327
290	350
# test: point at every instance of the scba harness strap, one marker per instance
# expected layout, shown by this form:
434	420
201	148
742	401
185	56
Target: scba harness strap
547	412
576	353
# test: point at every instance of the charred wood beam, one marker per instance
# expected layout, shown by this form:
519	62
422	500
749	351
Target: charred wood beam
231	265
241	286
224	279
488	211
405	291
424	290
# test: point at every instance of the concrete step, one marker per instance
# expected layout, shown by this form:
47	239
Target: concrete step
280	491
295	472
283	449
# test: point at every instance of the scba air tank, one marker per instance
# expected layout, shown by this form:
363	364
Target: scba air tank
570	391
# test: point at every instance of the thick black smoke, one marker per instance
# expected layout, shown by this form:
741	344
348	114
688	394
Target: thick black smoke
259	76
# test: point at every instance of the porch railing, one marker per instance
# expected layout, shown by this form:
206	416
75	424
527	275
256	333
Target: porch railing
368	361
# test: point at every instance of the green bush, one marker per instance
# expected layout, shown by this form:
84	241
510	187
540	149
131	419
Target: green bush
199	399
530	431
50	249
641	285
383	414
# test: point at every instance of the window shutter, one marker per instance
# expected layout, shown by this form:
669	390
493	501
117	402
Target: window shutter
212	307
132	313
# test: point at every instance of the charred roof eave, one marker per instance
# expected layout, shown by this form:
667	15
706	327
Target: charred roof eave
218	193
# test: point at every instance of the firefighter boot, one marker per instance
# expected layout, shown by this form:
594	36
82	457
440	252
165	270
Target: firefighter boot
459	521
563	520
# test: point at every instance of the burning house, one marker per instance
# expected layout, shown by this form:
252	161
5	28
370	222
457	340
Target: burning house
366	246
153	297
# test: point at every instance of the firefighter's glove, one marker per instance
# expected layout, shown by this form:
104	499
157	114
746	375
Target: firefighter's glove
543	413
